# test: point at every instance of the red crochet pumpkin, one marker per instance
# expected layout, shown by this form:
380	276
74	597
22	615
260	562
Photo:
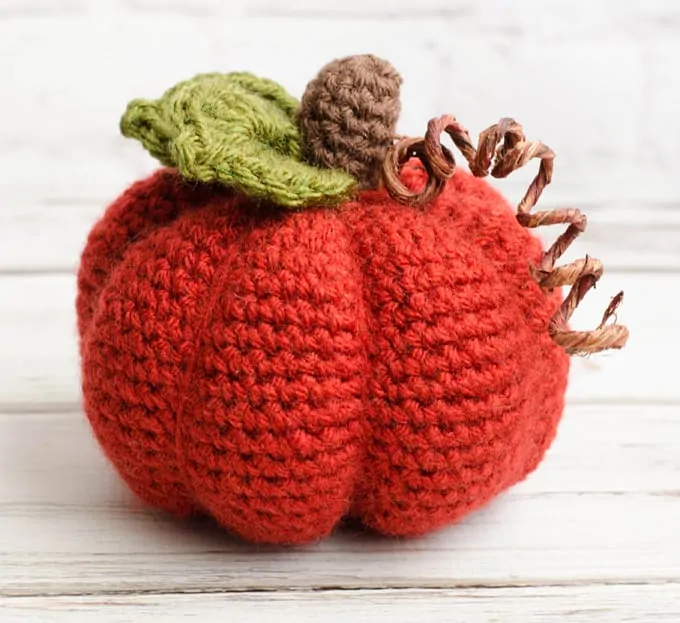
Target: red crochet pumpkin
281	369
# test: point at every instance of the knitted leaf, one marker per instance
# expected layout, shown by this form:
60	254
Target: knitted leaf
238	130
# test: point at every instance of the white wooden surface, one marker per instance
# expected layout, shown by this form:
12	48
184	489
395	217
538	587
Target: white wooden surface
592	535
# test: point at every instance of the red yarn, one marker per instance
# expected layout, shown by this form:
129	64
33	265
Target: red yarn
283	370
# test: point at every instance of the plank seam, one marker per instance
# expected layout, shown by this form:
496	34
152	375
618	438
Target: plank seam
332	588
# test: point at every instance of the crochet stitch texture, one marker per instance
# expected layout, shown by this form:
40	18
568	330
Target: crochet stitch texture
303	317
236	129
348	116
281	370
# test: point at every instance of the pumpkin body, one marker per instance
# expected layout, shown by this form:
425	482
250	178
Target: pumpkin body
281	370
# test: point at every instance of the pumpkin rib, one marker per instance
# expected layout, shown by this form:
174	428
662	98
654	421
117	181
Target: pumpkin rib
459	479
310	448
136	349
145	206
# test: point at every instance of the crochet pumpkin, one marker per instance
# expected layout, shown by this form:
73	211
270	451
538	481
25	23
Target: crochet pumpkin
302	317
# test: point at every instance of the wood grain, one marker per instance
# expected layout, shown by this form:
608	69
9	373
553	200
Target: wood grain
603	507
617	603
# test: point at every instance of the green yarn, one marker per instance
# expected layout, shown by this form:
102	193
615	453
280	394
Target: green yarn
236	129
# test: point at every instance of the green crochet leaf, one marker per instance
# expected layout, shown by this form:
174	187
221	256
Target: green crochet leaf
238	130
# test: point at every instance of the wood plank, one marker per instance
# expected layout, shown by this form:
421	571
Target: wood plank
553	604
49	236
58	177
604	506
40	368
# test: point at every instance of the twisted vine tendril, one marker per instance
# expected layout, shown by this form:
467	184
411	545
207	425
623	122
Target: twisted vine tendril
501	149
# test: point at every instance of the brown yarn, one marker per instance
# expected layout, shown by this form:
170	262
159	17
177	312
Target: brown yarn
348	115
501	149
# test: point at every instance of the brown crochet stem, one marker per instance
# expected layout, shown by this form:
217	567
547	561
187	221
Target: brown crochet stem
348	116
501	149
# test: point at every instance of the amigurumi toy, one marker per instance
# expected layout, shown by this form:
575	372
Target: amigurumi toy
304	317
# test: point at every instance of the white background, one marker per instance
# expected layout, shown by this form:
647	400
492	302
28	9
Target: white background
592	535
